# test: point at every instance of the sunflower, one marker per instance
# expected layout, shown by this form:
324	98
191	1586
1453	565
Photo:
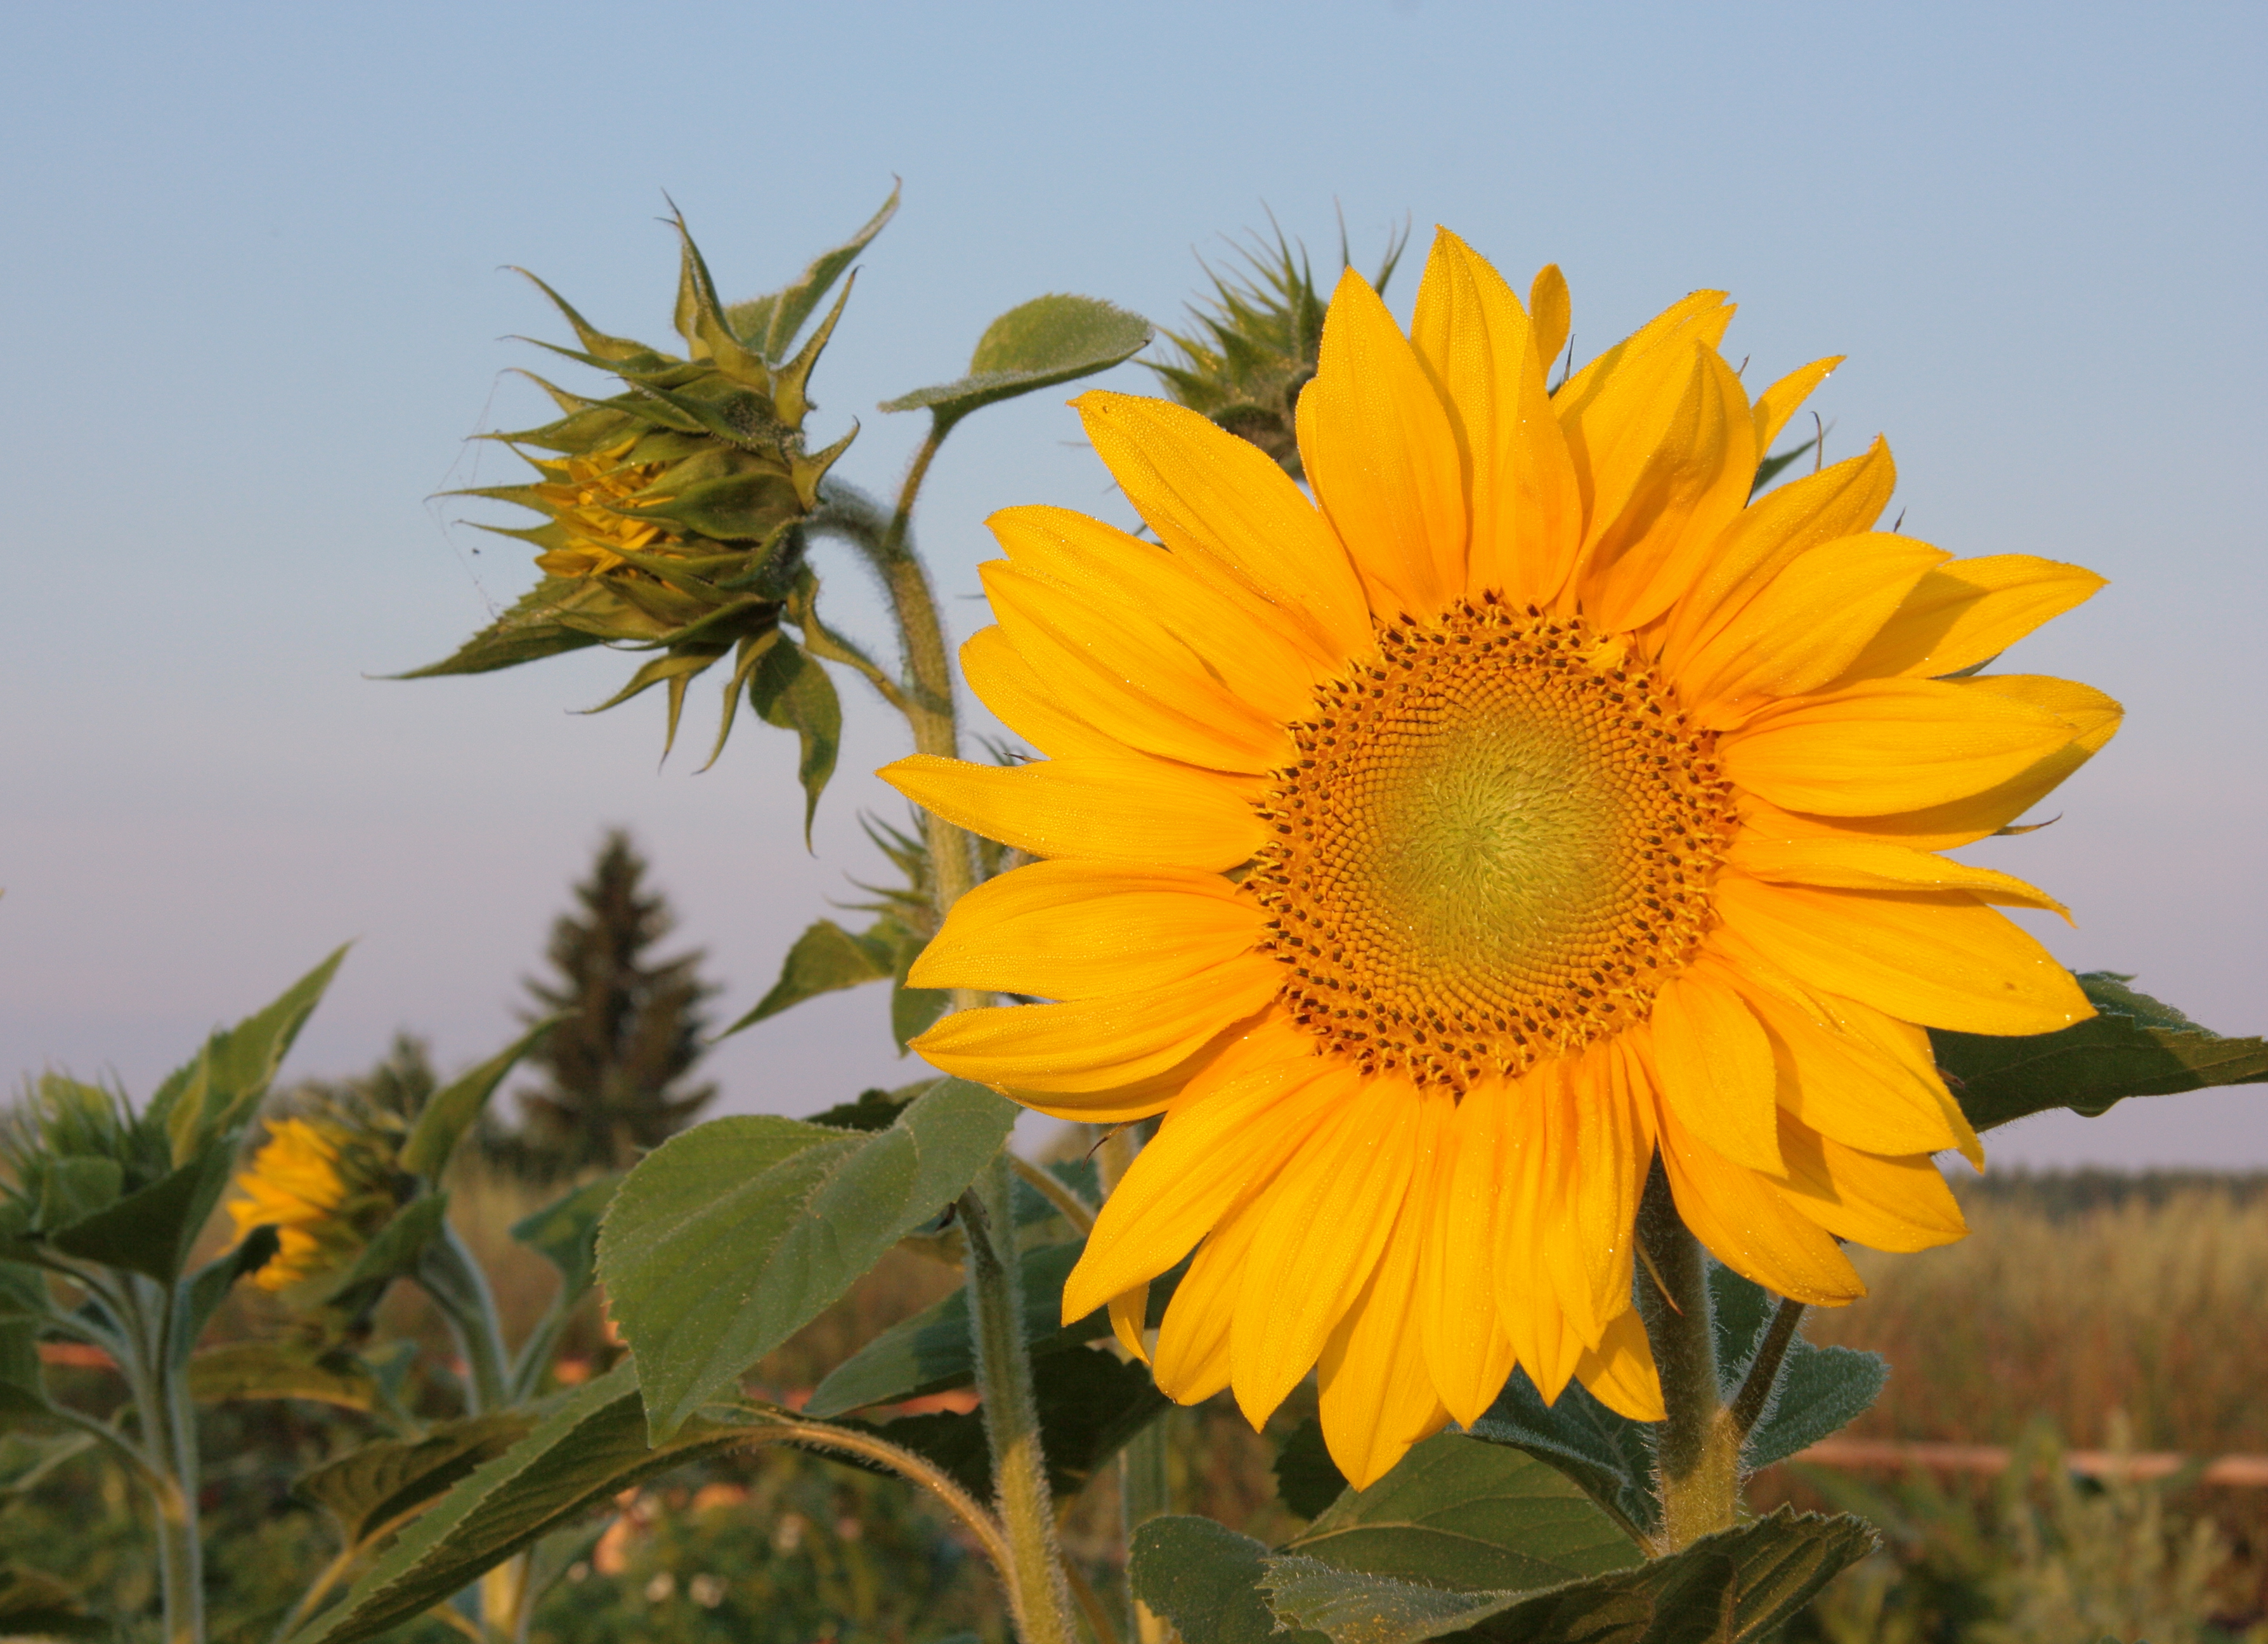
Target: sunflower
1437	853
325	1189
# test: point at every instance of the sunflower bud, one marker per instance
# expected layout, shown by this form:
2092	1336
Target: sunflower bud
327	1179
671	513
1253	346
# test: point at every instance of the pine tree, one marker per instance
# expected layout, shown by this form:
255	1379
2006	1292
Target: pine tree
611	1070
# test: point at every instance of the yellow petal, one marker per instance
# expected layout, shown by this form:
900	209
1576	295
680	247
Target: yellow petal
1550	311
1942	959
1131	678
1095	1044
1376	1400
1192	1361
1530	1222
1329	1212
1888	745
1804	629
1700	317
1890	1203
1665	457
1131	810
1843	500
1008	685
1082	931
1745	1223
1877	864
1620	1374
1376	442
1776	404
1968	611
1208	1156
1714	1067
1605	1141
1236	1049
1526	515
1466	1351
1226	503
1129	1320
1838	1082
1138	587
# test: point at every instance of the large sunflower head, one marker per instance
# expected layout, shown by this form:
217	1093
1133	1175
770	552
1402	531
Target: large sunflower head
1437	851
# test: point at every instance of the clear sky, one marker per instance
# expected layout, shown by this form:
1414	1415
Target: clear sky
251	268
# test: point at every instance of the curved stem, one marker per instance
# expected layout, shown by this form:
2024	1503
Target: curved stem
824	1436
1090	1606
1067	1204
1697	1453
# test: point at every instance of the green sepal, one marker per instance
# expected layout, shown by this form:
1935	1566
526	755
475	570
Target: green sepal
2133	1046
1037	344
610	353
731	1236
785	313
789	689
393	1253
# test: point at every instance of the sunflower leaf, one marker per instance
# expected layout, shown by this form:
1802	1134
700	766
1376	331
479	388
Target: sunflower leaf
1204	1578
729	1238
1735	1585
1607	1456
789	689
565	1233
367	1491
1037	344
930	1351
2133	1046
825	958
269	1369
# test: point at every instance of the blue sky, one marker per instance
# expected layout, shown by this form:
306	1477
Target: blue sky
252	272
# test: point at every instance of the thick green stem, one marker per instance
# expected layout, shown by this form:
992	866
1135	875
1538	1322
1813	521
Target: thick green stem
1696	1448
1037	1593
453	1279
169	1449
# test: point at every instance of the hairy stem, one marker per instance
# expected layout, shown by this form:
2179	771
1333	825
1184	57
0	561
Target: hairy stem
1066	1204
1698	1451
1748	1404
1037	1591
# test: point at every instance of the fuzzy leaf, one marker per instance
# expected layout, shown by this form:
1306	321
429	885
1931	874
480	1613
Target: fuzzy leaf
1036	344
825	958
1606	1455
930	1351
453	1110
729	1238
1459	1512
366	1491
219	1092
1204	1578
589	1448
2135	1046
789	689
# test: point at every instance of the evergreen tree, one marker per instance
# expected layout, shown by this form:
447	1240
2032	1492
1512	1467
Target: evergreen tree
611	1070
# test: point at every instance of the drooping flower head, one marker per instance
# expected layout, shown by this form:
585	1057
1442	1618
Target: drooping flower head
325	1185
1435	854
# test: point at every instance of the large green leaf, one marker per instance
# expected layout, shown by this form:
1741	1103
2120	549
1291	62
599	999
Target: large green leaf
729	1238
1036	344
368	1490
452	1110
1734	1586
789	689
930	1351
1463	1514
589	1448
1089	1404
219	1092
825	958
2133	1046
1204	1578
565	1233
1607	1455
151	1231
278	1369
